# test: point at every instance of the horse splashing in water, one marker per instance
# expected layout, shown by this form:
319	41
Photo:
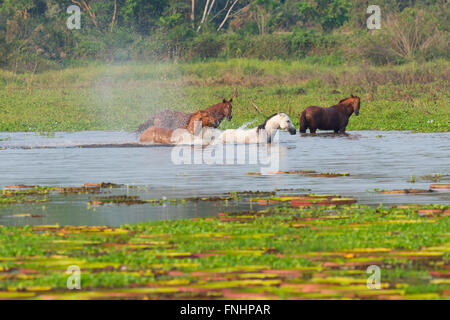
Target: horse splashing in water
171	119
332	118
196	121
263	133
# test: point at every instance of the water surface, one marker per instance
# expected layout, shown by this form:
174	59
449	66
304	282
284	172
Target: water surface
374	160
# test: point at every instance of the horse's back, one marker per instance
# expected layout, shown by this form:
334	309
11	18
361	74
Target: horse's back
157	135
315	113
169	119
239	136
321	118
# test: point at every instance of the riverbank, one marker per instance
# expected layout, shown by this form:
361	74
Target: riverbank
120	97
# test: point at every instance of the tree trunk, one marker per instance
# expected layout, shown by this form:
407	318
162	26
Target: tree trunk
114	16
204	15
192	12
227	15
210	7
88	9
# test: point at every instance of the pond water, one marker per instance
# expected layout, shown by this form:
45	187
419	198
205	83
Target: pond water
374	160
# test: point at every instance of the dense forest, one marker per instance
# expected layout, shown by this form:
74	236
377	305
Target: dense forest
34	35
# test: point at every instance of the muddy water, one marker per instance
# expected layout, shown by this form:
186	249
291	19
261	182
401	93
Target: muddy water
382	160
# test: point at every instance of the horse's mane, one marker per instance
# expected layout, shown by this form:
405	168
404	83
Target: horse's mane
352	97
213	107
263	125
217	104
344	99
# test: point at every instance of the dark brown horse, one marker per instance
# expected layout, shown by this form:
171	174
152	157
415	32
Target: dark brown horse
332	118
171	119
167	136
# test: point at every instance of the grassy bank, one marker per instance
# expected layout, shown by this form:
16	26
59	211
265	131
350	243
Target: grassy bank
284	251
114	97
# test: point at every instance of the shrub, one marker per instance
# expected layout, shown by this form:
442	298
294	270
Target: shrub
303	41
406	36
267	47
205	46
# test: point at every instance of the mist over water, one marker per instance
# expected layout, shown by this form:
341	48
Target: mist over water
135	91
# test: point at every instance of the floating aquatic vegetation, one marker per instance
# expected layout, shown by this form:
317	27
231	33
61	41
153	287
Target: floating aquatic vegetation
322	202
440	186
328	175
277	253
213	198
305	200
302	246
22	186
25	190
405	191
435	177
85	189
132	200
28	194
36	189
433	212
294	172
119	199
301	172
103	185
308	173
292	190
252	193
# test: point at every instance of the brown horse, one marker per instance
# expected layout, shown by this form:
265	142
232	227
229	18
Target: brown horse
168	136
171	119
332	118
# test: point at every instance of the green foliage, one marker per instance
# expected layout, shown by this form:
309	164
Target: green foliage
281	251
206	46
406	36
121	96
34	36
304	40
307	11
141	14
330	14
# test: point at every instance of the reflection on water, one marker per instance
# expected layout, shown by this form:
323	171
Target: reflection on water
383	160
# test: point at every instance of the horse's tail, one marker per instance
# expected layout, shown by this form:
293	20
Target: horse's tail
144	126
303	122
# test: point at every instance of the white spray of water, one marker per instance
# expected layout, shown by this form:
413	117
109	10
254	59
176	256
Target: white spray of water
246	124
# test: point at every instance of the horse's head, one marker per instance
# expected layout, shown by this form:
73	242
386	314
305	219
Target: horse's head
354	102
286	124
278	121
227	109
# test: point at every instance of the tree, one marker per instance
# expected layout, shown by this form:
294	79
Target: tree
143	15
329	14
263	9
227	15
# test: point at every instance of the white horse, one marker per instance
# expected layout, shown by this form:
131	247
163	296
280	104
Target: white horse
263	133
